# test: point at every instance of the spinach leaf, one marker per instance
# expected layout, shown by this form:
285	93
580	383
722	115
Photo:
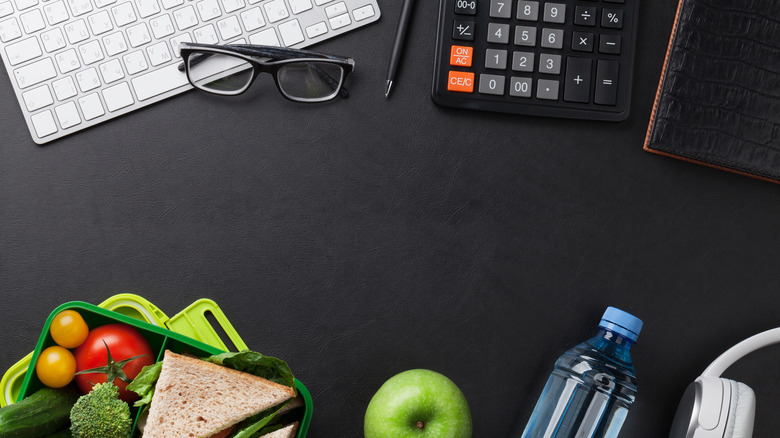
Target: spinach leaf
252	362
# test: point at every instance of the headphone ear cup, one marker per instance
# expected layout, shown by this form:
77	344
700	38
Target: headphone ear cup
742	411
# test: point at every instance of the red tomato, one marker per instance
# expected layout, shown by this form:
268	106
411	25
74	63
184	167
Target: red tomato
124	342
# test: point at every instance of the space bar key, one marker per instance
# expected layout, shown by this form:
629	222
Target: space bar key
159	81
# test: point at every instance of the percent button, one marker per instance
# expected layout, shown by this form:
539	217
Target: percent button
612	18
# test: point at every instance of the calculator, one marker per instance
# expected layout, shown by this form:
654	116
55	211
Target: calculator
558	58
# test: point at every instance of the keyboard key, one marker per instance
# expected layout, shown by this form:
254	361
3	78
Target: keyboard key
104	3
336	9
498	33
91	107
44	123
298	6
32	21
24	4
585	15
185	37
465	7
547	89
253	19
340	21
491	84
56	12
159	81
276	10
495	59
111	71
169	4
501	8
606	82
265	38
117	97
609	44
364	12
37	98
79	7
612	18
123	14
520	87
552	38
463	30
208	9
291	33
100	23
88	79
64	88
185	17
528	11
582	41
53	39
159	53
67	61
135	62
91	52
577	85
23	51
232	5
76	31
525	36
461	56
229	28
550	64
9	30
6	9
68	115
554	13
147	8
460	82
138	35
35	73
205	35
115	43
317	29
523	61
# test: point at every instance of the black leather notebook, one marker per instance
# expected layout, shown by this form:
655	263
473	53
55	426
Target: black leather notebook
718	101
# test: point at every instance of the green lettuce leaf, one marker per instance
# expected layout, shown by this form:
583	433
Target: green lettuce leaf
143	384
252	362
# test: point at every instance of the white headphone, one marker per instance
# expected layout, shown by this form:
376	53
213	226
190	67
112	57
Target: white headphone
714	407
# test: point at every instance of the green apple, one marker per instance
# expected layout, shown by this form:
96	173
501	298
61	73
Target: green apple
418	404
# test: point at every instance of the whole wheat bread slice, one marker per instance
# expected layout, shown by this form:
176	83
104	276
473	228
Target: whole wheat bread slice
197	399
285	432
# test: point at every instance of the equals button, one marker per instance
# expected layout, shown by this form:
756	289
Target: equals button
606	82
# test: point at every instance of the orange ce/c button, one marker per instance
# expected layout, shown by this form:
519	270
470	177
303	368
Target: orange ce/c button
460	56
461	81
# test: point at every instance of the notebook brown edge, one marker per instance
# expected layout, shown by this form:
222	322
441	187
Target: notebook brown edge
646	145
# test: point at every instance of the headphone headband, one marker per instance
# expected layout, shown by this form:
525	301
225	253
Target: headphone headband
741	350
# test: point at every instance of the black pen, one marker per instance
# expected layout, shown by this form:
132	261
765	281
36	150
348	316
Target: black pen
400	37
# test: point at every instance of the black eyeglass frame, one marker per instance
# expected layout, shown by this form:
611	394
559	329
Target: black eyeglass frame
269	59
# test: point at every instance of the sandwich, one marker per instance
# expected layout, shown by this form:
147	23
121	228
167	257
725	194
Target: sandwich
230	395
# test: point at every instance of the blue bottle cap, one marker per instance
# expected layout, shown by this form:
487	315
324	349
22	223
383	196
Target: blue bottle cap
621	323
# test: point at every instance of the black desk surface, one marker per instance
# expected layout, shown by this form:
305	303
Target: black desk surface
363	237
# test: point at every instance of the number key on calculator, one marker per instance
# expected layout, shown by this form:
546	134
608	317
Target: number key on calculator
559	58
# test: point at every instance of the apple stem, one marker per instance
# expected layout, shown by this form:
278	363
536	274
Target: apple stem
420	425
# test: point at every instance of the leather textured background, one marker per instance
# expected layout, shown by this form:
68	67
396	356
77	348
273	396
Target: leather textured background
363	237
720	98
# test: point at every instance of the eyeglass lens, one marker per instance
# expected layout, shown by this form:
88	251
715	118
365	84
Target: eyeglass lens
219	73
310	80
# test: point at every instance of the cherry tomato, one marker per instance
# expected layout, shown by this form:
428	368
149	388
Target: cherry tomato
69	329
55	367
124	342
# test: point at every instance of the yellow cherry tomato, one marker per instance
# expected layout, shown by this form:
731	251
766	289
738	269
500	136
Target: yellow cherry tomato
69	329
55	367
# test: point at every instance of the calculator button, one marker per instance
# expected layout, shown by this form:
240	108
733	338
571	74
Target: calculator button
463	30
609	44
461	81
552	38
615	1
582	41
461	56
554	12
466	7
547	89
525	36
577	85
606	82
550	64
495	59
491	84
528	11
501	8
585	16
612	18
520	87
498	33
523	61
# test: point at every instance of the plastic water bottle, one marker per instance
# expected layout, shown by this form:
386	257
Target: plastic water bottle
592	386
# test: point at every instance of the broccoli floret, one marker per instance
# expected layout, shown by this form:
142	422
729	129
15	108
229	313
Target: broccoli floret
101	414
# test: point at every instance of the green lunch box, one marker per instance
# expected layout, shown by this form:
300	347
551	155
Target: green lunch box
190	331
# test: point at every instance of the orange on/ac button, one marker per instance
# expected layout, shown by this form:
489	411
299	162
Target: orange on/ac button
461	81
461	56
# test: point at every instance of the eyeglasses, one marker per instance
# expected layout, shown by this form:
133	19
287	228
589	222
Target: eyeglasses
300	75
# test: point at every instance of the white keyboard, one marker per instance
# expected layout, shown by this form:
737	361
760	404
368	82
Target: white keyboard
77	63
